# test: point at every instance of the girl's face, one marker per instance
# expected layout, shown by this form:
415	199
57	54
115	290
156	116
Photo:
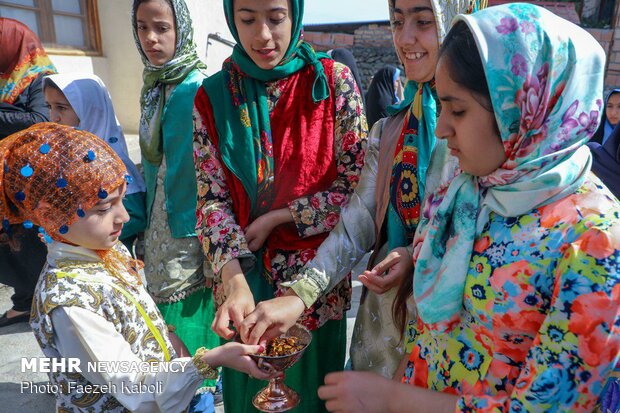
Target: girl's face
612	110
61	110
415	37
156	31
102	225
469	128
264	28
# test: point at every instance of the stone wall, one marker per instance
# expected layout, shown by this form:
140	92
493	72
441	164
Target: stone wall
612	79
371	45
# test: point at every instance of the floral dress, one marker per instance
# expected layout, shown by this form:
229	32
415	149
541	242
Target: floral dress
222	238
540	324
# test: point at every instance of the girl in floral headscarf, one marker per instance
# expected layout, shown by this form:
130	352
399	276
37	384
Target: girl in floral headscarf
516	256
385	207
177	278
278	148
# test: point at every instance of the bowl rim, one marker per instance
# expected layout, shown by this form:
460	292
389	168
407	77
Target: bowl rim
258	356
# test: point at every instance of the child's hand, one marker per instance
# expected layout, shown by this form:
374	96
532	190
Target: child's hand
235	355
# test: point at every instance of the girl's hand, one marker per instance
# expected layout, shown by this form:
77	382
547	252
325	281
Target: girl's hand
257	232
236	356
239	301
388	273
356	392
271	318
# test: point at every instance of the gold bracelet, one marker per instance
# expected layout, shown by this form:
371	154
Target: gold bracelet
205	370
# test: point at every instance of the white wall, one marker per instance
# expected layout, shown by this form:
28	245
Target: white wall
120	66
208	17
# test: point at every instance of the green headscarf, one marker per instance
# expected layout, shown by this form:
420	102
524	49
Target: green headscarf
156	78
241	99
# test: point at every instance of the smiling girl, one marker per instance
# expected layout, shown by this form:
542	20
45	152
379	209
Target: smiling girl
279	136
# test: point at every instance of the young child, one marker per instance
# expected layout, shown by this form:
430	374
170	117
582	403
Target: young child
82	100
90	302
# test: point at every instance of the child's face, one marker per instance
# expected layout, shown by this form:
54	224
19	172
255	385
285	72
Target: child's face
414	30
61	110
156	31
102	225
264	29
612	110
469	128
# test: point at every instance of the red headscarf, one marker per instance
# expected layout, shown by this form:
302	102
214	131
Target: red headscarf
22	59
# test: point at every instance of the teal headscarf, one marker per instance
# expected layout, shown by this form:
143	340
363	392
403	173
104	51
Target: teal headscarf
239	92
545	77
156	78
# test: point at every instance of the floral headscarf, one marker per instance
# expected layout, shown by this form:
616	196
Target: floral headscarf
545	77
156	78
22	59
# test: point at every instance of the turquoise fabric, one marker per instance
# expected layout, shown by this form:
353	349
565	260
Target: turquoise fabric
545	77
180	181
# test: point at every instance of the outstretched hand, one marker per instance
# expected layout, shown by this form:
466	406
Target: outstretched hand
389	272
236	356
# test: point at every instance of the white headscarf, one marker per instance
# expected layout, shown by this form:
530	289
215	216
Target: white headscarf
92	104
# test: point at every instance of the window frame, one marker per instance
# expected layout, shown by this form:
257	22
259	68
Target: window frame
45	18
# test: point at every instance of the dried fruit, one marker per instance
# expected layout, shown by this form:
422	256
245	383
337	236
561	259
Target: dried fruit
282	346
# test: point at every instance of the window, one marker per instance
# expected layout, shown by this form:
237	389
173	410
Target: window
60	24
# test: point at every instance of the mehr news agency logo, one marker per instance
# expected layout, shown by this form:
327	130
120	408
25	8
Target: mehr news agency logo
75	365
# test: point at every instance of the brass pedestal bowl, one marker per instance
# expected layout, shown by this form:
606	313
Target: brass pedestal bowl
277	396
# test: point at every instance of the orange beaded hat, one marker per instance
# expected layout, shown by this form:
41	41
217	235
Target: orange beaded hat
64	167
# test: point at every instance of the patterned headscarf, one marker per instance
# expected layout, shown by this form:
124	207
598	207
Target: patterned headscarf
545	77
414	148
156	78
22	59
67	168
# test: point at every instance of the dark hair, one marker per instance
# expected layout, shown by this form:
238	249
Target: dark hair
464	64
137	3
